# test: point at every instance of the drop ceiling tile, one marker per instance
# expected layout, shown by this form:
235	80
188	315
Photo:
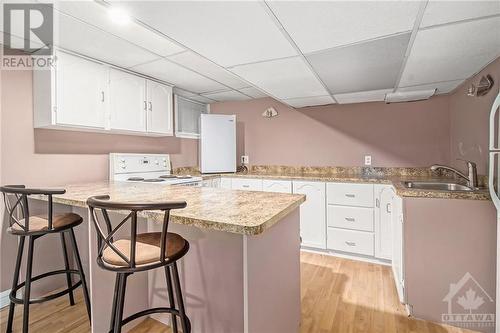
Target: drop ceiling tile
197	63
366	66
439	12
452	52
317	25
178	76
283	78
98	15
254	92
309	101
362	96
79	37
227	32
230	95
442	87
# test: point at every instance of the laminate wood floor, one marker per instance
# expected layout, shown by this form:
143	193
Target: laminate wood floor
338	296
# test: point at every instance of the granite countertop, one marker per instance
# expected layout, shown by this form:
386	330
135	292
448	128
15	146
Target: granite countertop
390	179
241	212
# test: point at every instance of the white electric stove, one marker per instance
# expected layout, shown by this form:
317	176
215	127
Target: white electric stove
146	168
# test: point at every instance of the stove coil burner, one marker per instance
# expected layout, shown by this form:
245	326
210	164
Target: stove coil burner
153	180
136	179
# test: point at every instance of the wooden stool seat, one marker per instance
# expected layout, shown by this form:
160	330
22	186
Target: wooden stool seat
148	249
40	223
139	252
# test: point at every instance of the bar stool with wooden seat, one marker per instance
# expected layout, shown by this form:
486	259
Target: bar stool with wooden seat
33	227
140	252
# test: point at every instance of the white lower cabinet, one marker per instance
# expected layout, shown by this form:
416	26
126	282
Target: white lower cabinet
355	218
352	241
247	184
398	246
279	186
225	183
384	196
312	213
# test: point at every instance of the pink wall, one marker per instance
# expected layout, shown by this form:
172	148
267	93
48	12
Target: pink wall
469	118
405	134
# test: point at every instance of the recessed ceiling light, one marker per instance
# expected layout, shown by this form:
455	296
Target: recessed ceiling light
119	15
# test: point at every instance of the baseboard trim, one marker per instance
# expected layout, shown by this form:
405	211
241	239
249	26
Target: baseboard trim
4	298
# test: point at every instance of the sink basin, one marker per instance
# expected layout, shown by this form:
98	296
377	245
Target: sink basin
439	186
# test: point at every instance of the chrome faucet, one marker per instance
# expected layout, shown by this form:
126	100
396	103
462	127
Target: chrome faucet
471	173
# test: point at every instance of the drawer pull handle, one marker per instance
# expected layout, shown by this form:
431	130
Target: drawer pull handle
350	243
246	185
350	195
350	219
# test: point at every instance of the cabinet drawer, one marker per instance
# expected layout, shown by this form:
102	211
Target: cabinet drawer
356	218
359	242
348	194
246	184
225	183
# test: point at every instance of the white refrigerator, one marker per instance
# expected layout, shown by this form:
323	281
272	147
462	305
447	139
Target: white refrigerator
494	186
217	143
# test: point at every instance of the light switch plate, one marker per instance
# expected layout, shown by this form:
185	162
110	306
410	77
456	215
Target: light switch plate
368	160
244	159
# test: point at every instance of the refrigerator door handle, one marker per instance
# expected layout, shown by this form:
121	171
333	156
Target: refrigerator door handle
493	112
491	181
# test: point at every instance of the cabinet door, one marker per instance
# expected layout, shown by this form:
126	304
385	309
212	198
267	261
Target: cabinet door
80	92
384	196
279	186
398	246
160	111
225	183
127	101
312	213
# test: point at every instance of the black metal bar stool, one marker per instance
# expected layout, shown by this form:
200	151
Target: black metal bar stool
142	252
25	226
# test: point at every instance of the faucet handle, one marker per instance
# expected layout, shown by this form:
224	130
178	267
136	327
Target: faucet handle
469	163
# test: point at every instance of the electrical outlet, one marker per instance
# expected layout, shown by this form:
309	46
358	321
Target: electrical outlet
244	159
368	160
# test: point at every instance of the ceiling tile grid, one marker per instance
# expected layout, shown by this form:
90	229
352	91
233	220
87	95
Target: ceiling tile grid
366	66
441	12
319	25
452	52
178	76
227	32
299	52
283	78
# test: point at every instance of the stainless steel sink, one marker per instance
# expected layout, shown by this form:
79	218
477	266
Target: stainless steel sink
439	186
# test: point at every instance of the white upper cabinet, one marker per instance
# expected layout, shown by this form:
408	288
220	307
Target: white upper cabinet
72	94
81	93
127	101
86	95
159	108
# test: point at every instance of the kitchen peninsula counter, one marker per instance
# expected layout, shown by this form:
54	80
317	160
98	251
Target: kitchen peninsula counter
242	271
